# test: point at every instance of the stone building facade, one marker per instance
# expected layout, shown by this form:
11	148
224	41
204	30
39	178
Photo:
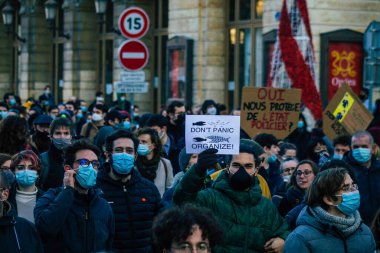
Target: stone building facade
79	56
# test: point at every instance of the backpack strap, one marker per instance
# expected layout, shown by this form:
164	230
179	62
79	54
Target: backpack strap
166	169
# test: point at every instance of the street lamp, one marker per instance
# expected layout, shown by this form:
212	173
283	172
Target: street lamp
8	21
100	7
50	15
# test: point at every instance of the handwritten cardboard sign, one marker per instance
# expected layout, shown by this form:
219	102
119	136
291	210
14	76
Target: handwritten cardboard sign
206	131
270	110
345	114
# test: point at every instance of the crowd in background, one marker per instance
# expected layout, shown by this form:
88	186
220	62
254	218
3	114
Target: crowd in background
98	177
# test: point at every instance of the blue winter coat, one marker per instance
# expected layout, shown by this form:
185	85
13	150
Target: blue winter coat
71	222
135	203
369	187
17	234
313	236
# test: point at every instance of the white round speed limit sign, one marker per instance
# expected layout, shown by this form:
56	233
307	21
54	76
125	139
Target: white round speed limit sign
133	23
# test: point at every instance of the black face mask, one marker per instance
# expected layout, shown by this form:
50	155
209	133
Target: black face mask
180	118
241	180
42	141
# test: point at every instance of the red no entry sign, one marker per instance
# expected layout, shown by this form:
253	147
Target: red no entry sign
133	55
133	23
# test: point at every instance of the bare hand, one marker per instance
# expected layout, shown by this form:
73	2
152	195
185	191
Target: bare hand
69	178
274	245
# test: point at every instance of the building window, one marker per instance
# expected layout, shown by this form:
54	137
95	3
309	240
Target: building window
244	54
161	21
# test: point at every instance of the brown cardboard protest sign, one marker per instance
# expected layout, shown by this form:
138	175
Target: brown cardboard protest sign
270	110
345	114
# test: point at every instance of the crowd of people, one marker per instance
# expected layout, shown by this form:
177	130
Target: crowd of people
103	178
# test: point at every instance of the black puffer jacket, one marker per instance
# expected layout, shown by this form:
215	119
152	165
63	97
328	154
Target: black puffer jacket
135	203
17	234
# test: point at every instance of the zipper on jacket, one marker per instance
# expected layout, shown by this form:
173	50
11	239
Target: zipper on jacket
86	230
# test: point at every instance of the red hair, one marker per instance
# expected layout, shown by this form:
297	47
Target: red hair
26	155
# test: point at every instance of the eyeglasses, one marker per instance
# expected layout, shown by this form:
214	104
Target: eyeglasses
306	173
349	188
188	248
85	163
287	170
22	167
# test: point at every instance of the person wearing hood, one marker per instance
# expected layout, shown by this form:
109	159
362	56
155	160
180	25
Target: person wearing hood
40	141
52	172
135	200
367	170
331	222
236	200
16	234
209	108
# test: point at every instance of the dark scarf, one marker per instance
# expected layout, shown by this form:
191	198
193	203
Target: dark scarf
148	168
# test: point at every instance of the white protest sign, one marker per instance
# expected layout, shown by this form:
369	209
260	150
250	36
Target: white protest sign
209	131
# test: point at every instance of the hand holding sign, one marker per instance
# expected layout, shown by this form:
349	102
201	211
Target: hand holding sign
206	160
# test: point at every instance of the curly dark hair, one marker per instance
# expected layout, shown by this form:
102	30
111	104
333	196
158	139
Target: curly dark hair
176	224
71	151
13	135
158	151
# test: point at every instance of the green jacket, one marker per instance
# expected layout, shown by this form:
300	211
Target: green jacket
248	219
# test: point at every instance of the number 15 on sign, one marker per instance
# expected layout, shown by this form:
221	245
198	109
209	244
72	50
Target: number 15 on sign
133	23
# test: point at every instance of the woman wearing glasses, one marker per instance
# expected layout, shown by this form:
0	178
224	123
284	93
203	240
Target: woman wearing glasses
186	229
24	193
301	179
331	222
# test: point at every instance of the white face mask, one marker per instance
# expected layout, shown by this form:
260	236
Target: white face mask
211	111
96	117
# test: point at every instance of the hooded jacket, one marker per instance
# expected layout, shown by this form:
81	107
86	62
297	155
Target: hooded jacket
135	203
248	219
311	235
367	180
71	222
17	234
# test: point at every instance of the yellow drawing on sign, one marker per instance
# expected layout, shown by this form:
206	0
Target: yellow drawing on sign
343	107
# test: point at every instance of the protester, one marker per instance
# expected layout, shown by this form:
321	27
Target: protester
186	229
176	112
24	193
16	233
236	201
331	222
367	171
317	151
287	168
342	144
112	121
47	98
160	124
299	137
135	200
150	162
209	108
52	171
300	181
14	135
40	141
3	110
271	167
90	129
287	150
5	166
75	218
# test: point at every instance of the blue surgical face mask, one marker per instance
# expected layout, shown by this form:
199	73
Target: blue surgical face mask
26	178
350	202
83	108
86	176
4	115
12	101
10	177
272	159
124	125
79	115
338	156
143	150
123	163
300	124
361	155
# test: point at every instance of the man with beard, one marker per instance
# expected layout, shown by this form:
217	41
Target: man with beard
51	174
135	200
40	142
236	201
